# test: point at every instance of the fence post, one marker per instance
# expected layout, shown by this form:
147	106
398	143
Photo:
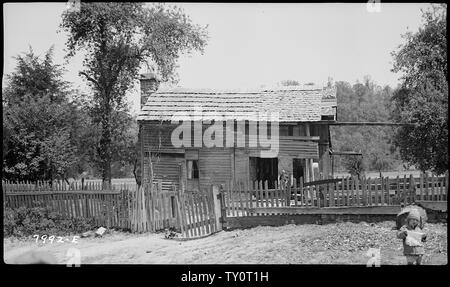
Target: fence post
412	186
218	206
446	185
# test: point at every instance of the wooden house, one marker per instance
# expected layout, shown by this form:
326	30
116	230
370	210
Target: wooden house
303	114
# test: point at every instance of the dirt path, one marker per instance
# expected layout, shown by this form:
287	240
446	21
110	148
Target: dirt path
341	243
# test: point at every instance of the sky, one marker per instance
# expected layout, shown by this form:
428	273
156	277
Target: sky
250	45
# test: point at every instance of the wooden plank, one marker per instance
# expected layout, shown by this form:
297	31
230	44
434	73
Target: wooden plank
240	211
287	192
256	189
94	206
165	210
398	191
350	191
199	209
182	213
76	198
412	189
332	194
421	187
308	195
245	194
433	205
67	205
357	192
195	216
326	195
241	199
98	209
266	194
382	189
211	211
233	196
433	188
302	191
364	191
427	193
377	183
228	201
261	193
207	213
290	198
369	191
189	221
387	185
200	213
405	190
354	187
257	194
276	194
446	186
282	189
295	190
250	198
394	209
272	198
347	191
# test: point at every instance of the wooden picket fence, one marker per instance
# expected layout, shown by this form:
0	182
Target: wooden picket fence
198	216
246	199
120	206
150	208
153	208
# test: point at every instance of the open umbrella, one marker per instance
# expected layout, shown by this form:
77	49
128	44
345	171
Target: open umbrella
401	217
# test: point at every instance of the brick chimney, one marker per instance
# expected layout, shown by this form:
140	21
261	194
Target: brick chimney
149	85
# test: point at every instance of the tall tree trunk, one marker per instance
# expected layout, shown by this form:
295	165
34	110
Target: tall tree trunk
105	143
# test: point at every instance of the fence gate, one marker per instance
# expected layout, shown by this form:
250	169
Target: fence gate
199	212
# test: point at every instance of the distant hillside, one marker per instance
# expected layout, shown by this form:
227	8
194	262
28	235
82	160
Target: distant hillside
364	102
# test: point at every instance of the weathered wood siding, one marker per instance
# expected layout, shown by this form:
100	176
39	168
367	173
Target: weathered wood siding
214	166
219	165
168	167
157	137
241	165
299	149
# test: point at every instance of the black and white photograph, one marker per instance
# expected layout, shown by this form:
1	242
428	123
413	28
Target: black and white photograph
255	134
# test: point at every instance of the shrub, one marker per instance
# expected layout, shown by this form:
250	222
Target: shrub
25	221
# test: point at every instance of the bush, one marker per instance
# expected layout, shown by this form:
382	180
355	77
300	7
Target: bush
26	221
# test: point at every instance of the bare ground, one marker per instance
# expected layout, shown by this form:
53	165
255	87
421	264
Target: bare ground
340	243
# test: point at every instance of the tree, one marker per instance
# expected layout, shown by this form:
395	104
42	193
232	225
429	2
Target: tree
355	165
289	83
123	143
37	121
422	98
364	101
118	38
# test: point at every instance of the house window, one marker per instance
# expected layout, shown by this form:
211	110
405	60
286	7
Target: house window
192	169
290	130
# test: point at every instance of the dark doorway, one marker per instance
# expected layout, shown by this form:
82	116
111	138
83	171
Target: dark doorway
298	169
264	169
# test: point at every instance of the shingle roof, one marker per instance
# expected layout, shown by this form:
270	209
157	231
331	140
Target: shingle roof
292	103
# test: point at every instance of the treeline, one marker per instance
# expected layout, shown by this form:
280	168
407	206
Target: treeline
364	102
49	131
